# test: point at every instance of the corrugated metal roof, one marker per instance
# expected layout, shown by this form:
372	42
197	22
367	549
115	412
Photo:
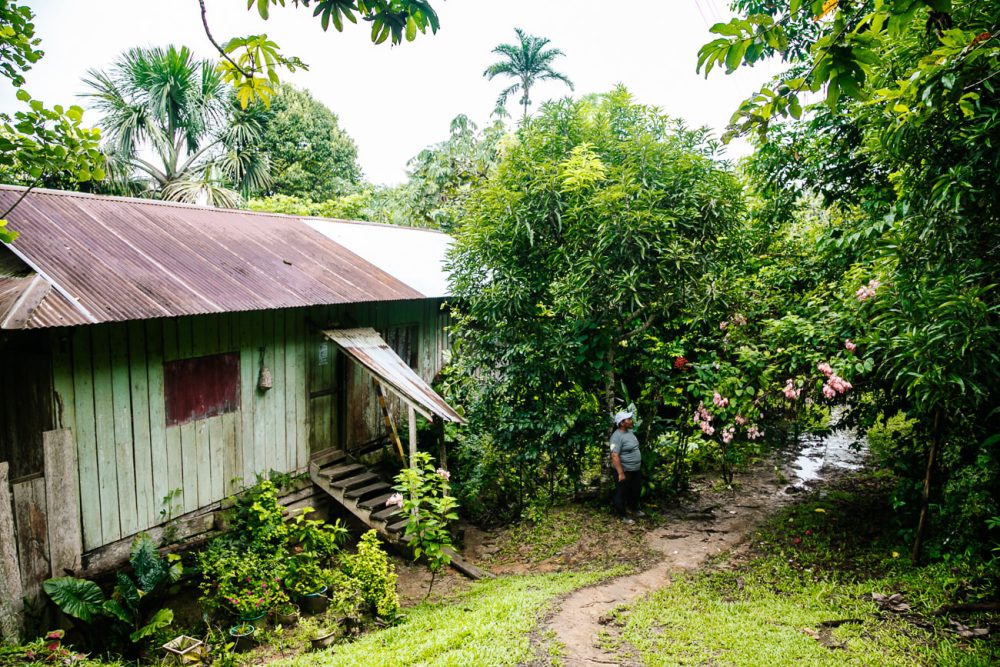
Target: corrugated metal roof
113	259
367	347
414	255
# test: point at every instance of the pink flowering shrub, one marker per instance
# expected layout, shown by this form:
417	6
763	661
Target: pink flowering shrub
866	292
849	345
790	391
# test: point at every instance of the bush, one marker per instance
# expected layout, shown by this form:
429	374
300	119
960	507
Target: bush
375	576
243	584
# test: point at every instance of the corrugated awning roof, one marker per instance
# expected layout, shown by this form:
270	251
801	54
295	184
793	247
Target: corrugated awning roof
367	348
112	259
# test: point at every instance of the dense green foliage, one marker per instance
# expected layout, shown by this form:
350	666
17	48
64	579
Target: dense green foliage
599	227
311	157
163	100
904	232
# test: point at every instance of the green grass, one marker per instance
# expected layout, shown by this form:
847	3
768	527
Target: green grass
490	624
817	562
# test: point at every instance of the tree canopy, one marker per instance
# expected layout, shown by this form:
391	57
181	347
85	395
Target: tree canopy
310	155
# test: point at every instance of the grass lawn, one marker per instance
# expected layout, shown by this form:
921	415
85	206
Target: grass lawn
489	624
802	595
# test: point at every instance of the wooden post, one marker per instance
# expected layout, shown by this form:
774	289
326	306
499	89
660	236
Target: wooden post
387	416
412	416
439	435
62	494
11	607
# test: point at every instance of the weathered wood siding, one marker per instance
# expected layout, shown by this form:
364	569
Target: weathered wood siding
135	471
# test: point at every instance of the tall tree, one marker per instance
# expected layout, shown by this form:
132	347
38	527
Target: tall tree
311	156
528	62
597	228
165	102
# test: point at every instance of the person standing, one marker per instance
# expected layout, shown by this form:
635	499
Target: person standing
626	459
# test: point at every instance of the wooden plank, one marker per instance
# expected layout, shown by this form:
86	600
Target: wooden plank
262	430
188	431
292	381
172	434
232	467
279	396
86	438
157	419
64	408
32	537
62	491
301	393
203	453
217	458
114	555
147	502
248	391
11	593
121	398
104	417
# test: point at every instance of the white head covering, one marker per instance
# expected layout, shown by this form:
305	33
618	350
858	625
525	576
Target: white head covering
622	416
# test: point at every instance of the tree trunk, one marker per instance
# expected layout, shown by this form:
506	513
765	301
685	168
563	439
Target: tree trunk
925	496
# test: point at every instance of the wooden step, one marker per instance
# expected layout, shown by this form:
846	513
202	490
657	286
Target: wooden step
376	503
354	482
328	457
386	514
397	527
340	472
370	490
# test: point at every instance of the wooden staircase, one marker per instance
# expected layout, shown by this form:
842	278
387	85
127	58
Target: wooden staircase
363	493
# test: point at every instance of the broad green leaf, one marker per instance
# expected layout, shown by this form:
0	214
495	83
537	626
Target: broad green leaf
78	598
161	619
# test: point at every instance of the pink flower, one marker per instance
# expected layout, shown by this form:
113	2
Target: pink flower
720	400
443	474
849	345
825	368
791	393
866	292
706	428
395	499
741	420
728	433
723	325
829	391
753	432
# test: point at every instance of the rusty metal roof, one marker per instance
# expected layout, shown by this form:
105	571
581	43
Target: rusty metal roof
367	348
111	259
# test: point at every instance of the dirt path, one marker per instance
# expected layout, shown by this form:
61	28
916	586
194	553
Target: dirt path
716	521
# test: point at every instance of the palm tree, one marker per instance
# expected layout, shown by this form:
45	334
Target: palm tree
528	62
174	131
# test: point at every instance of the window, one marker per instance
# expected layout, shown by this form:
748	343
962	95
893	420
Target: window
201	387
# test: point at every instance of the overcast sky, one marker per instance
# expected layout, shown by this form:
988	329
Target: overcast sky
394	101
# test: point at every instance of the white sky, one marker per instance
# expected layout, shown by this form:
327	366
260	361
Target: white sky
394	101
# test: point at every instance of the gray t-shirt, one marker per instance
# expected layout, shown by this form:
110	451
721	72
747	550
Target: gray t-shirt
626	446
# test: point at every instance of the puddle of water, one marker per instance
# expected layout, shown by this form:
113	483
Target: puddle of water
839	449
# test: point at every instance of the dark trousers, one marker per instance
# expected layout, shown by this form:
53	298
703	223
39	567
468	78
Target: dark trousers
627	492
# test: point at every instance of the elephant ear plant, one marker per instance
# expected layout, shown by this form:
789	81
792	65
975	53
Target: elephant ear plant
128	608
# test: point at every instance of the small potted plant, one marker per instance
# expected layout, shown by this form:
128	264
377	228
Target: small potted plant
306	581
242	636
286	614
320	635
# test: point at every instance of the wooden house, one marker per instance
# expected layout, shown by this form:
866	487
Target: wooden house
156	357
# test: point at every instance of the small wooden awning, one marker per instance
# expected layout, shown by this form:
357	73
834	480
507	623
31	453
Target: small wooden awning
367	348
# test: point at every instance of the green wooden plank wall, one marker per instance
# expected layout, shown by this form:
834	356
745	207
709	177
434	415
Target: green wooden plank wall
135	471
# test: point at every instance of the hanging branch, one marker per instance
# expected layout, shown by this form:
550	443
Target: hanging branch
222	52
